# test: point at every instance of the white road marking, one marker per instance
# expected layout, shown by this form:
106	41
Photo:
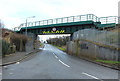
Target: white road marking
54	54
64	63
5	67
60	60
90	75
17	62
11	73
56	57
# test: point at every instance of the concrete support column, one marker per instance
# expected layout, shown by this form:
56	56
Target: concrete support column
32	36
71	37
35	37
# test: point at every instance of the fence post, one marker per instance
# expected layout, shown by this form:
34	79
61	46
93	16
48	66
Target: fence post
35	23
67	19
87	17
92	17
106	20
43	22
32	23
80	18
115	19
73	18
39	22
52	21
47	22
56	21
61	20
96	18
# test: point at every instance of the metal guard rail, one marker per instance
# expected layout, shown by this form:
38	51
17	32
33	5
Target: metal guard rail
78	18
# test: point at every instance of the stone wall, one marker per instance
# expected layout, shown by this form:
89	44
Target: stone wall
33	43
29	46
90	50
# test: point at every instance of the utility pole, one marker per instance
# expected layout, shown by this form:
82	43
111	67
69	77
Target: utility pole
26	27
27	23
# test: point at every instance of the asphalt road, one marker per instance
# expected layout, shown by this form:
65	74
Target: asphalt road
52	63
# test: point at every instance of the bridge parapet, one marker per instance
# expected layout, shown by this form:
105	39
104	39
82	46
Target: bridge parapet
109	19
87	17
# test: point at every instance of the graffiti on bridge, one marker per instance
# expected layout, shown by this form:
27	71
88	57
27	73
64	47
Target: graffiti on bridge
48	32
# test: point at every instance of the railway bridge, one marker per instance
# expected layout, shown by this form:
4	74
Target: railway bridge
67	25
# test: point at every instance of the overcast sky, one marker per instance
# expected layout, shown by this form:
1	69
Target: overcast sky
14	12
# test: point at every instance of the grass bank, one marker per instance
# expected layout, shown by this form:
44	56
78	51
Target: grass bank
63	48
109	62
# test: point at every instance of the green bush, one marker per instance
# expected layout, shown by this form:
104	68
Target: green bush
61	41
5	48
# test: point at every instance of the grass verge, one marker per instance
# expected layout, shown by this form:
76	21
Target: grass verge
108	61
61	48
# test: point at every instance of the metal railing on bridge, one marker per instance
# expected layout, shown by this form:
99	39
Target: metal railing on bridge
87	17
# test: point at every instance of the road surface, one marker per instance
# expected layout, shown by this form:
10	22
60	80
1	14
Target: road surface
52	63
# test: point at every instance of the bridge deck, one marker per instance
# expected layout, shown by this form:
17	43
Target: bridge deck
72	20
60	25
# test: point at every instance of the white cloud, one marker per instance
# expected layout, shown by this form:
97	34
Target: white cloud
12	12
